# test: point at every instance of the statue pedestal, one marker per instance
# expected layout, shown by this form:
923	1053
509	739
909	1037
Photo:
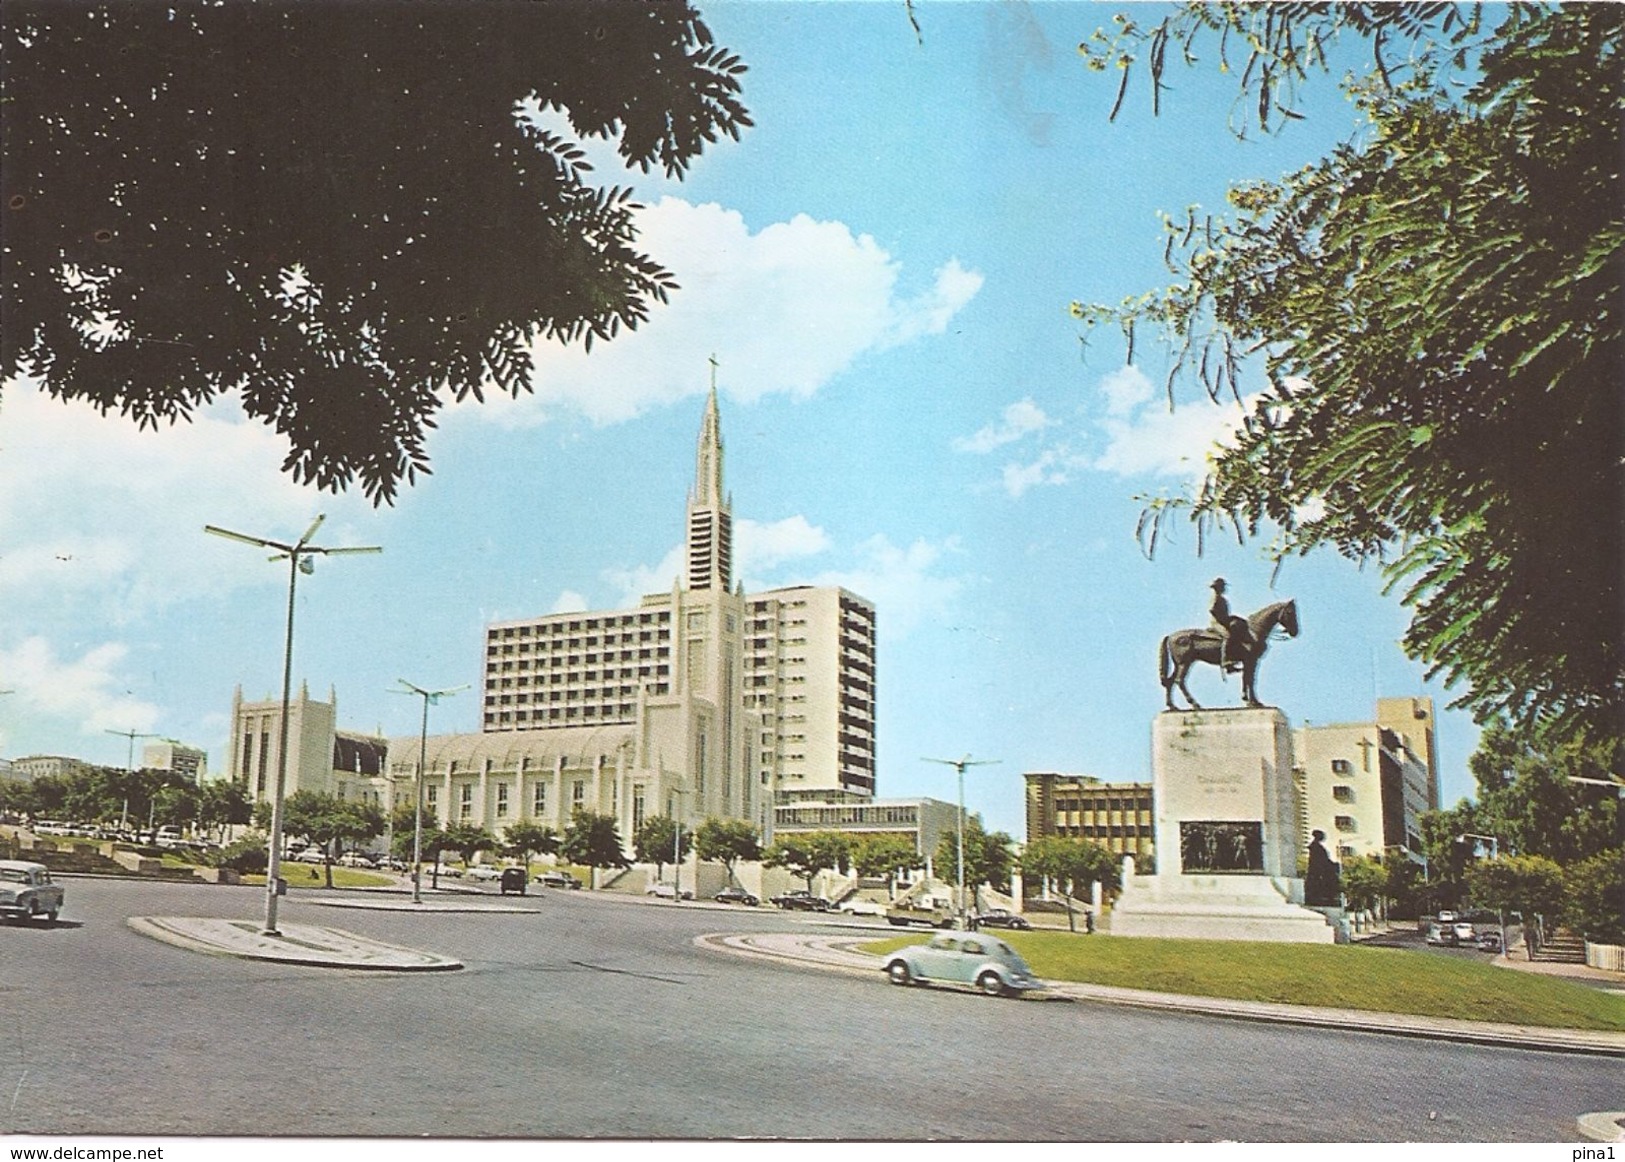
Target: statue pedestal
1226	834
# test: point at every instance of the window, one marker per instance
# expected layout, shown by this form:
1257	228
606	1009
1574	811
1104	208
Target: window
538	803
637	806
1342	767
465	806
433	797
1344	823
502	800
1343	793
578	794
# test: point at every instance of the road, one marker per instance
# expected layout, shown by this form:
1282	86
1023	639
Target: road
600	1018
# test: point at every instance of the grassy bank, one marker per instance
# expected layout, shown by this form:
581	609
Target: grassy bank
1384	980
299	875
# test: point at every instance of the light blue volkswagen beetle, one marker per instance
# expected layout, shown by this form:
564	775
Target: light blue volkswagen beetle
965	958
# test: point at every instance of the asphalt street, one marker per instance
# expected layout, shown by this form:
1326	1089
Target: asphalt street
601	1018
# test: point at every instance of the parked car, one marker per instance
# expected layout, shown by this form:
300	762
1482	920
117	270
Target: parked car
558	879
1447	917
484	873
666	892
967	958
357	859
924	913
310	855
27	891
1489	942
801	901
999	918
737	896
1464	932
858	906
513	880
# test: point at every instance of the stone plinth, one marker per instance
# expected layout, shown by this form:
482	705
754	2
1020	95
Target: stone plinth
1226	833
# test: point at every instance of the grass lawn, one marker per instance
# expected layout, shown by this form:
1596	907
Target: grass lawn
298	875
1384	980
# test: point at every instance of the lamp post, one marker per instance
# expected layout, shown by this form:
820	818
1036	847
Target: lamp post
677	849
428	696
959	766
129	769
300	557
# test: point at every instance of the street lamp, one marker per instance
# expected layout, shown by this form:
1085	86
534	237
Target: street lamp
299	556
1495	844
428	696
959	765
129	769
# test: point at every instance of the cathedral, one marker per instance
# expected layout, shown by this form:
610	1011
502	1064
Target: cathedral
702	701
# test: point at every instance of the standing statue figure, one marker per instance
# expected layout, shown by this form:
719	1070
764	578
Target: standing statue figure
1237	636
1242	644
1322	887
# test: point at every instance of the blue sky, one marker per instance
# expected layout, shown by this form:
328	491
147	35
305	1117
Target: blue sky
883	267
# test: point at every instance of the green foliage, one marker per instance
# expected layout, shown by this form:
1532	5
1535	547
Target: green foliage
884	854
525	838
1343	976
727	841
1527	799
248	854
180	172
988	858
1440	313
328	821
1596	897
468	840
1531	884
593	840
658	842
1364	883
807	853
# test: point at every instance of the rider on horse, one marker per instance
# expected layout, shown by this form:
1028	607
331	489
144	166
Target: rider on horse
1236	637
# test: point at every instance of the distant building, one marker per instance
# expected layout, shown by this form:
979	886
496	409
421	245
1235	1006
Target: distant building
321	757
1365	784
47	766
1118	816
173	756
923	822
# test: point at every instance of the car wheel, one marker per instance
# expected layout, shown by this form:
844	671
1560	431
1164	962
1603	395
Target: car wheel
898	972
990	984
50	917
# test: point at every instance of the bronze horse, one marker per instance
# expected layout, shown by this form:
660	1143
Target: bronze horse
1184	648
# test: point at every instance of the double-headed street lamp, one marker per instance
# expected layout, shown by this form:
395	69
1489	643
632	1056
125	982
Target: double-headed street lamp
428	696
959	765
299	556
129	770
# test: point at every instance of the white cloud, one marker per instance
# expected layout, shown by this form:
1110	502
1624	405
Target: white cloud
1145	438
71	478
1053	466
569	601
766	546
1020	419
87	691
1125	390
784	309
906	584
632	584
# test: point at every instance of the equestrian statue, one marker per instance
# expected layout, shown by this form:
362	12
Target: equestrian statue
1232	643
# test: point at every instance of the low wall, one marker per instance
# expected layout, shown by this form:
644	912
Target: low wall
1607	956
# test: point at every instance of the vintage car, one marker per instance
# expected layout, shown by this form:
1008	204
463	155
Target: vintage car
966	958
801	900
26	891
737	896
558	879
1000	918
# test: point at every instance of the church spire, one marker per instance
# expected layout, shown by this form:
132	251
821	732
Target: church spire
710	517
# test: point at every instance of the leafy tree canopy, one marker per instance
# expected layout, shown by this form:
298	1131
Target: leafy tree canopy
1439	311
1528	801
468	840
807	853
526	838
658	841
988	857
880	855
593	840
331	209
727	841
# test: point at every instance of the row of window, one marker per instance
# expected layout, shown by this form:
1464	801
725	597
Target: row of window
554	628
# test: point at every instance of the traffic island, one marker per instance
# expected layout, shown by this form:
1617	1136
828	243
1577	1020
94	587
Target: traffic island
303	944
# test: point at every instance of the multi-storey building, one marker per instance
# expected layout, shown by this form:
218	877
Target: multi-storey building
321	757
173	756
701	701
42	766
1366	783
1118	816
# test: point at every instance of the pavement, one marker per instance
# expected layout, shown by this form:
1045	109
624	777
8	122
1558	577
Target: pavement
306	944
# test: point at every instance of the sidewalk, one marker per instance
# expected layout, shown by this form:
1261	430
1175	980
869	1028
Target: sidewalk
304	944
837	954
